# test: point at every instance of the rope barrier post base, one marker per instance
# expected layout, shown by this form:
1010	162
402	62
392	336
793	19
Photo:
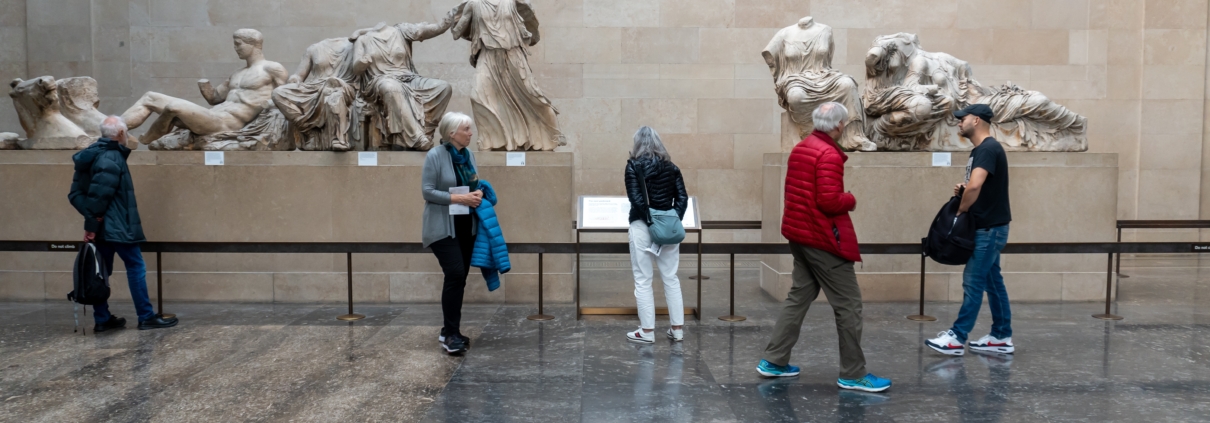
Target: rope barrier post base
1108	294
351	316
732	317
922	317
159	289
540	316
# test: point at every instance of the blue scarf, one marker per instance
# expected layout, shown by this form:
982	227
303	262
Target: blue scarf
463	167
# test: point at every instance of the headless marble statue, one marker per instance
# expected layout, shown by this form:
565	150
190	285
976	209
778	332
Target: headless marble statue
318	98
511	113
800	57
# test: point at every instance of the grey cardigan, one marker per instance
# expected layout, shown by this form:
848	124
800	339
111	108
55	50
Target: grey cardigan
435	182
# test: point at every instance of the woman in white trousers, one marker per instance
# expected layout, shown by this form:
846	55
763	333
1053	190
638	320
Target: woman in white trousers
653	182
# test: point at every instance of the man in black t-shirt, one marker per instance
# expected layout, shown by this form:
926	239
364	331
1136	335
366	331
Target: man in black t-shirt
985	197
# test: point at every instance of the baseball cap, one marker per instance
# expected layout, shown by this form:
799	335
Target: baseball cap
980	110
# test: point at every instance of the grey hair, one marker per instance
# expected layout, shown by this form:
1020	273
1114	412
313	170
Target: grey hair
450	122
829	116
112	126
647	144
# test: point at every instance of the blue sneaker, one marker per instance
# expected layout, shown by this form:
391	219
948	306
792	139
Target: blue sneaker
868	383
768	369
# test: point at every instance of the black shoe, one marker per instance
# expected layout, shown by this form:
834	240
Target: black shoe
441	339
455	344
157	322
114	322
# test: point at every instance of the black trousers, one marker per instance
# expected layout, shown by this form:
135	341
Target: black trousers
454	255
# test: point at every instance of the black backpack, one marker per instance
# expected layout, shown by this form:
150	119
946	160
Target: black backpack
90	278
951	239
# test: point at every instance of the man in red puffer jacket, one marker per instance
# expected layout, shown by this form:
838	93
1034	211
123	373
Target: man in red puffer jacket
824	245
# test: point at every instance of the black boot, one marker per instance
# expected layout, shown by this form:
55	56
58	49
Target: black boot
157	322
114	322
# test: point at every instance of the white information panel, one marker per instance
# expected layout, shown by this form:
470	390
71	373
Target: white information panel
214	158
367	158
613	212
941	159
514	159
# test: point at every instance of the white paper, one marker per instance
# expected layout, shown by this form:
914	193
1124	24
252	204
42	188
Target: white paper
654	249
941	159
690	219
214	158
515	159
367	158
459	209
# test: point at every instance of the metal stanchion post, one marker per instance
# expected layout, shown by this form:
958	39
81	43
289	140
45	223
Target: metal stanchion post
351	316
159	287
922	317
577	274
1108	293
1119	266
697	312
540	315
732	317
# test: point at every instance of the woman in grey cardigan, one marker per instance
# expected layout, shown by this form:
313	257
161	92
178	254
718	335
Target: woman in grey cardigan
451	238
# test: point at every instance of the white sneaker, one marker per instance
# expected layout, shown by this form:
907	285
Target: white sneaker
990	343
946	343
641	336
676	334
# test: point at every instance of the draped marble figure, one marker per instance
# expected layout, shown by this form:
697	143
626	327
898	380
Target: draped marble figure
245	99
318	98
511	113
800	57
910	95
406	106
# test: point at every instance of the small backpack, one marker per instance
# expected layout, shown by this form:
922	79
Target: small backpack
951	239
90	278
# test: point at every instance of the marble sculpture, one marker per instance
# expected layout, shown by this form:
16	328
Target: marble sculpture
243	116
319	98
56	115
910	95
405	106
800	57
510	111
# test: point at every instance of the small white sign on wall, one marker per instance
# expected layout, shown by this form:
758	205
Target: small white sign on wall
941	159
214	158
367	158
515	159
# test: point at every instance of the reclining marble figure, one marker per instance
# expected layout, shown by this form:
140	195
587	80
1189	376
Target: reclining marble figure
800	57
56	114
243	116
405	107
318	99
910	95
511	113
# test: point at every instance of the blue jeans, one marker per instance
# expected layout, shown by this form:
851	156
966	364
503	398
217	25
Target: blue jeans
136	277
982	274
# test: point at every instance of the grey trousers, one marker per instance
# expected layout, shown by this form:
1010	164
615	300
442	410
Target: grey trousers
814	270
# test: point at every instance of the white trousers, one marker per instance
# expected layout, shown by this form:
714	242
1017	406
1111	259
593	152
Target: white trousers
668	261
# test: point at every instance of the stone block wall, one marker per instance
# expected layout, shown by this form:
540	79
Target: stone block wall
692	69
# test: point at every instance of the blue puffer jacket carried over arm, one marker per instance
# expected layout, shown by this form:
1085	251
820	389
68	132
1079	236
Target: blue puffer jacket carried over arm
491	253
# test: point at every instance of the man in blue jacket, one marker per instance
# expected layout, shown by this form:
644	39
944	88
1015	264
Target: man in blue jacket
102	191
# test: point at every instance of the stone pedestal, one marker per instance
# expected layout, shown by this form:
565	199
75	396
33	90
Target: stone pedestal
1056	197
285	197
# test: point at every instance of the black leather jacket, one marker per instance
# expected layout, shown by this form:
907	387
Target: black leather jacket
665	188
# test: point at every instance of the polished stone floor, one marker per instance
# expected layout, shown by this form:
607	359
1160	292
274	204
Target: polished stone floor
266	362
